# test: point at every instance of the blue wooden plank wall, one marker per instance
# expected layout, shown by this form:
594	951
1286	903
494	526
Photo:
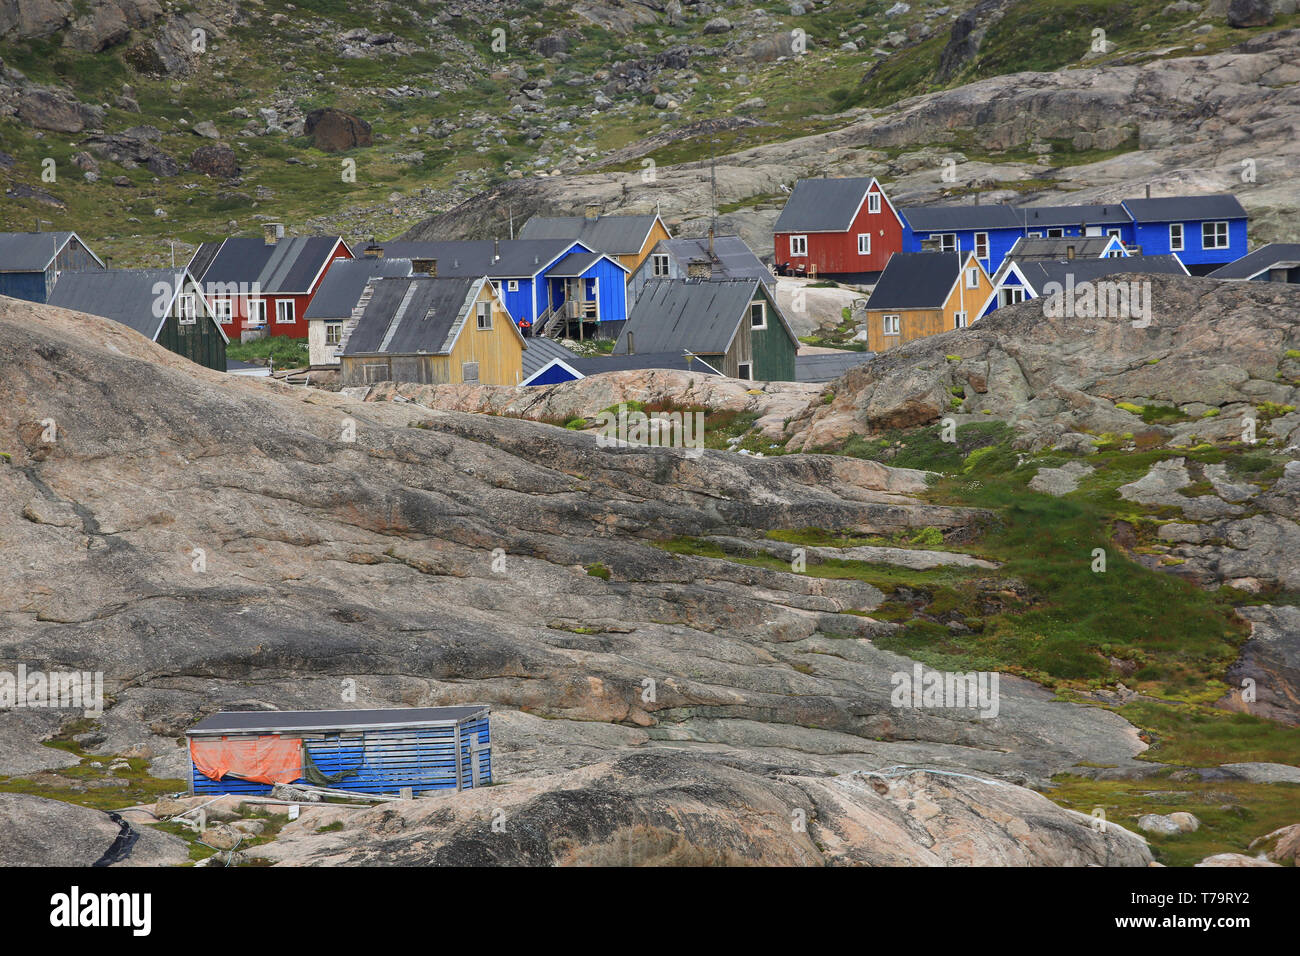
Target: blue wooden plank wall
385	761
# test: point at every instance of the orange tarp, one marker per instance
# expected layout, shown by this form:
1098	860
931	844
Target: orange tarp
260	759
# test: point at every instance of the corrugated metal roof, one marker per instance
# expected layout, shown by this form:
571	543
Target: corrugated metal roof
826	367
1275	254
261	721
732	258
1092	214
917	280
822	205
1085	247
30	251
202	258
343	284
413	314
1040	272
699	315
616	235
1176	208
123	295
945	218
520	258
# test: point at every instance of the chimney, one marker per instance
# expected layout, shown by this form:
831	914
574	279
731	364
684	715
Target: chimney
272	232
977	199
496	250
1069	252
424	267
1148	190
373	251
631	347
592	211
699	268
711	253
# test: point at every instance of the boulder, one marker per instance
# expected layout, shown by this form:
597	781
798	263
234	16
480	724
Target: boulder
44	108
334	131
1250	13
217	161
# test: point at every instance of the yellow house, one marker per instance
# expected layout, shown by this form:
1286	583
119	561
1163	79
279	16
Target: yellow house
431	330
627	238
925	293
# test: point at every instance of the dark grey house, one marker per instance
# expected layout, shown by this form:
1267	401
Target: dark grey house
31	262
704	257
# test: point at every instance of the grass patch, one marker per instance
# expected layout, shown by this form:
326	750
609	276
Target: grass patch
283	351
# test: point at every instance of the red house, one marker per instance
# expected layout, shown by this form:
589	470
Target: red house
844	229
265	285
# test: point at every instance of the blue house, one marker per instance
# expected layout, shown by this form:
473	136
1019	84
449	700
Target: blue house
1275	262
548	363
1065	222
1205	232
1021	280
31	262
369	751
987	231
541	281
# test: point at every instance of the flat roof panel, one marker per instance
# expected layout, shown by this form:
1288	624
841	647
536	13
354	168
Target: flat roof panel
277	721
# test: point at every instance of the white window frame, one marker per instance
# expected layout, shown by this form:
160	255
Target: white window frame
947	241
483	310
512	285
745	370
187	310
258	306
1010	295
798	245
1116	232
959	320
873	203
280	310
891	324
864	236
1182	237
973	277
659	264
1056	232
1035	234
334	329
762	310
223	310
1220	227
981	242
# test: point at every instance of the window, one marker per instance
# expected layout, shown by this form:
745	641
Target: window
186	310
1035	234
284	311
959	320
745	370
1011	295
256	312
981	246
1113	231
1175	237
757	315
1056	234
512	285
333	333
1214	235
890	323
483	311
973	277
864	243
659	264
798	245
947	241
223	310
469	371
873	203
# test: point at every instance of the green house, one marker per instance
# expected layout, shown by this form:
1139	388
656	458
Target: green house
733	325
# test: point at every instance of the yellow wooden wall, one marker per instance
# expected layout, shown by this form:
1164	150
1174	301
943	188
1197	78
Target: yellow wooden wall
498	350
920	323
657	232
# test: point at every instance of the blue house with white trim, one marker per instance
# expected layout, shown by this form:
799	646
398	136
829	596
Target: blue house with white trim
1206	232
987	231
31	262
1022	280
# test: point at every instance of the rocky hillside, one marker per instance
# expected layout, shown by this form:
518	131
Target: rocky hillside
139	122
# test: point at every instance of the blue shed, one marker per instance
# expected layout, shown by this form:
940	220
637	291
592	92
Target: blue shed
369	751
31	262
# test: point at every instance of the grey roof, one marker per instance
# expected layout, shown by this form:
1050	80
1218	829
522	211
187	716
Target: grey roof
1085	247
917	280
542	351
30	251
575	264
123	295
1041	272
201	261
342	286
413	314
287	267
695	314
1092	214
616	235
520	258
1285	254
1175	208
943	218
826	367
677	360
822	205
732	258
270	721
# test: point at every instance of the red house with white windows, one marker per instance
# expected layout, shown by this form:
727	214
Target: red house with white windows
265	285
844	229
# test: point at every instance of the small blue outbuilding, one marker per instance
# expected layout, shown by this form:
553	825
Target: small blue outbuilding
367	751
31	262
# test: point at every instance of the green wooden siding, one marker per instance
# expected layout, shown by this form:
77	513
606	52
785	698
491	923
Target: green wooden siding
201	342
772	348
